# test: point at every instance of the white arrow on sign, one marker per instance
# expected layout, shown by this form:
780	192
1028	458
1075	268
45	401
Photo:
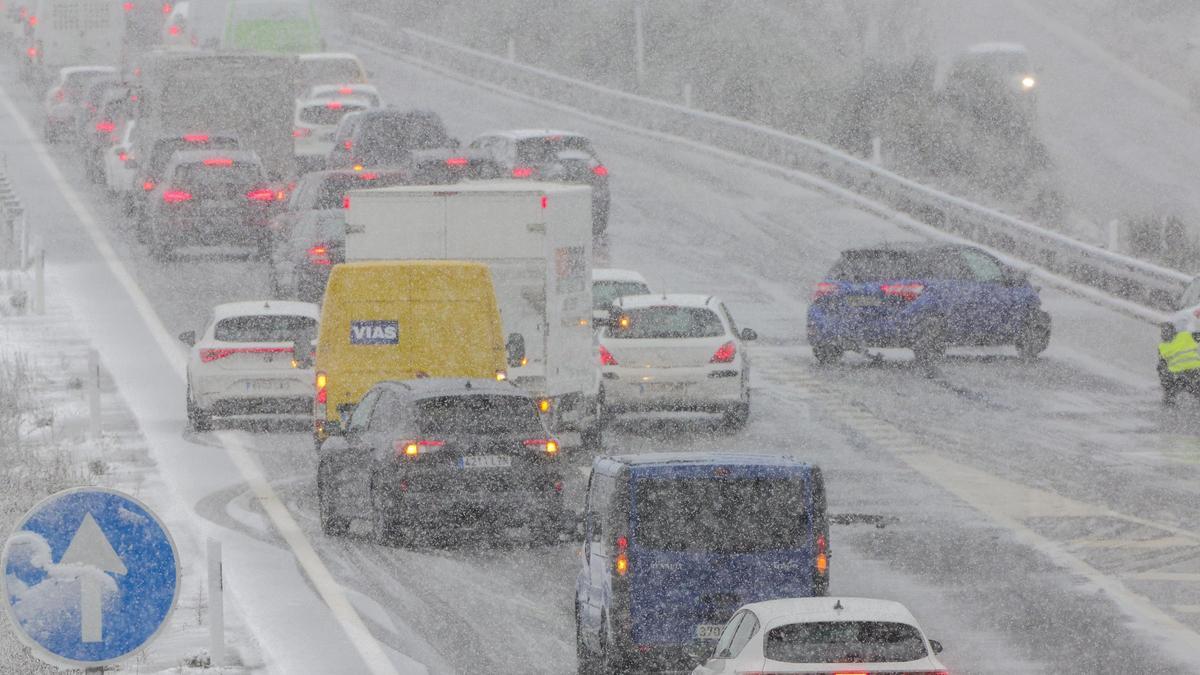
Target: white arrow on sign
90	547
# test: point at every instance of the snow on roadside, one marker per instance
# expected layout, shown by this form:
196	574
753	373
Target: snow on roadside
47	448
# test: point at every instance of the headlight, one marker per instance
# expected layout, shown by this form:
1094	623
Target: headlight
1028	82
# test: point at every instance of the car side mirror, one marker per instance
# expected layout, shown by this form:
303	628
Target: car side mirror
748	335
937	646
188	338
515	349
302	352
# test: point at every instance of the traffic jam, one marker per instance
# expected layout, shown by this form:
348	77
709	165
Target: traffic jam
445	326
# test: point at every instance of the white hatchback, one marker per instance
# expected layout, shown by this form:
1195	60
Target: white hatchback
676	353
118	175
242	365
315	122
823	635
609	283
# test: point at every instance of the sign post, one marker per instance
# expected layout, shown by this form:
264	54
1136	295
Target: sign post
90	577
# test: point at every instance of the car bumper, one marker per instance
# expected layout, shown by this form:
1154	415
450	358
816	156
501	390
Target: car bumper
461	508
704	389
274	391
213	228
852	330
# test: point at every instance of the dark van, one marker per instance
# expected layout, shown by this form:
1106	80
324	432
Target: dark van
675	543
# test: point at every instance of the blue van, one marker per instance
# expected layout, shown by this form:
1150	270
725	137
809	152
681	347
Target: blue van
675	543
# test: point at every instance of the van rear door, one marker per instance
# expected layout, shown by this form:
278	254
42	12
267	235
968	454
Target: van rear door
706	543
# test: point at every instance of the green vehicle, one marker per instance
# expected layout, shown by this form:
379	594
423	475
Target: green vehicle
276	26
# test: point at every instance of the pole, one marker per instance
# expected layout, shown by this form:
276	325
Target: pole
639	45
216	604
94	393
39	287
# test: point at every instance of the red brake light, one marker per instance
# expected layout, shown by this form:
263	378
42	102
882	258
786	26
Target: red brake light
32	51
725	353
106	126
600	170
261	195
174	29
148	185
322	392
347	144
319	255
123	156
33	20
522	171
621	562
166	8
822	563
345	91
906	292
218	161
370	175
606	357
301	132
345	201
176	196
196	138
210	355
457	161
128	6
59	94
824	289
334	105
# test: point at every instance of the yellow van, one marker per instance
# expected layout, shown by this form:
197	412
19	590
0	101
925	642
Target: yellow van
400	320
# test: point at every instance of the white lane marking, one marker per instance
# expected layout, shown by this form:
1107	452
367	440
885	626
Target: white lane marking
333	594
1163	542
1186	609
1164	576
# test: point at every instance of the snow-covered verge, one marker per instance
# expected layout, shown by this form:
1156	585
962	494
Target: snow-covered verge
47	447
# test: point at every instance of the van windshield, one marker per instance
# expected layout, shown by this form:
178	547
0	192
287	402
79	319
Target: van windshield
741	515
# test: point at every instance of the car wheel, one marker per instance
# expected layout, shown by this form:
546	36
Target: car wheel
585	660
331	523
199	420
607	662
385	527
930	343
1034	336
827	354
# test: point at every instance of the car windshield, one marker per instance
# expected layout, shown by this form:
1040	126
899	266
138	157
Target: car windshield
605	293
721	515
844	642
478	414
264	328
666	322
546	148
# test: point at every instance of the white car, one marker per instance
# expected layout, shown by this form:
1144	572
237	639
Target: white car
325	92
675	352
176	31
118	176
823	635
314	125
241	365
608	284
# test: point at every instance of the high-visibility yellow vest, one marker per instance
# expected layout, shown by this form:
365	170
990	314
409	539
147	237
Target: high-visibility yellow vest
1180	353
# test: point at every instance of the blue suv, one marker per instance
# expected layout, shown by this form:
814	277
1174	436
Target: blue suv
675	543
924	297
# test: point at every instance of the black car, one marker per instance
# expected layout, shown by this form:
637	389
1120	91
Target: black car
544	154
211	197
415	140
309	235
446	454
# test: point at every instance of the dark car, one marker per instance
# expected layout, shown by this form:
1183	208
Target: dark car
994	84
99	133
309	235
210	198
90	103
925	297
150	158
442	453
415	140
560	156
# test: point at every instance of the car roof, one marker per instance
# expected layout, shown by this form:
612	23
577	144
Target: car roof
802	610
666	299
71	70
266	307
994	47
525	134
348	98
318	56
444	386
615	274
356	86
669	459
191	156
910	247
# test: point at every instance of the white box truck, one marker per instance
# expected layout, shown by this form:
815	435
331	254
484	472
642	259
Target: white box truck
72	33
537	240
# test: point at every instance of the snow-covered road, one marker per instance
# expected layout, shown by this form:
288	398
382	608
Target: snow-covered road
1045	513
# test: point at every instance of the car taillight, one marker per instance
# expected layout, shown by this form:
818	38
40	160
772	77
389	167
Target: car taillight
600	170
176	196
319	255
196	138
128	6
347	144
105	126
906	292
606	357
218	161
824	289
210	355
60	95
621	560
174	29
457	161
32	52
547	445
345	201
415	447
123	156
166	8
724	353
522	171
322	392
301	132
147	185
346	91
261	195
822	561
333	105
369	175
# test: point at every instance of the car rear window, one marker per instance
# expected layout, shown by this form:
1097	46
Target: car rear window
844	642
887	264
199	176
668	322
478	414
328	113
742	515
604	293
395	134
160	154
264	328
545	149
333	190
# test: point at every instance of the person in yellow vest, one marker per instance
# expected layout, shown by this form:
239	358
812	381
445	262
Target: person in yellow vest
1178	362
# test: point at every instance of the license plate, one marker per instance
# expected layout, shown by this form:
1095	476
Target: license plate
484	462
657	388
709	631
863	301
267	385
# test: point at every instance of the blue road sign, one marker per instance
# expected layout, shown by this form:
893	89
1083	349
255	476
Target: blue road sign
90	577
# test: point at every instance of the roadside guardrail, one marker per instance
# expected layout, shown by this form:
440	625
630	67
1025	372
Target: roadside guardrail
1136	280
